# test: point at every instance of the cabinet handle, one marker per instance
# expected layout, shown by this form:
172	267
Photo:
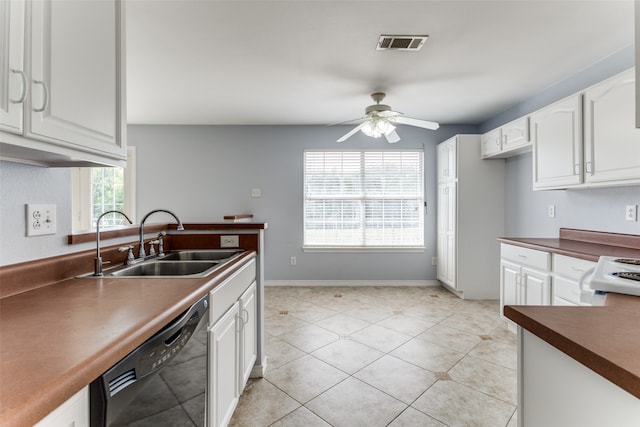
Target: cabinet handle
522	256
498	141
45	102
588	167
576	169
239	323
24	79
579	270
245	313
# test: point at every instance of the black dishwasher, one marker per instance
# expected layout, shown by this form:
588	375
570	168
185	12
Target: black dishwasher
161	382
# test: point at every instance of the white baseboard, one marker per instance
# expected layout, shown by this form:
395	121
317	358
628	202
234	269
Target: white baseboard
309	283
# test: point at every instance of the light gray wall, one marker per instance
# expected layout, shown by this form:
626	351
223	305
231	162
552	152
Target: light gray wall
592	209
21	184
600	209
205	172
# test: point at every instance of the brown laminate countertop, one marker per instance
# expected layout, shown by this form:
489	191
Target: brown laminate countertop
605	339
56	339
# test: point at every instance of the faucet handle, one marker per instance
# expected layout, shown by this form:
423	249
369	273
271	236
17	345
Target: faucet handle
130	257
152	249
161	242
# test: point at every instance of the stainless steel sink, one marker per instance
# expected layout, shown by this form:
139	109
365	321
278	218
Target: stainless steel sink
201	255
186	264
161	268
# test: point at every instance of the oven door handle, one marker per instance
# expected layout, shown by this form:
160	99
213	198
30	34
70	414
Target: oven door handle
583	277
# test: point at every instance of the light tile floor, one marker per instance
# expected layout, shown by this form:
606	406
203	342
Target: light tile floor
381	356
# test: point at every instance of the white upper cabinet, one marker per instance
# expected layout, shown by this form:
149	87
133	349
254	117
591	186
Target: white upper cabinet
73	112
515	136
612	142
601	150
13	79
556	132
507	140
491	143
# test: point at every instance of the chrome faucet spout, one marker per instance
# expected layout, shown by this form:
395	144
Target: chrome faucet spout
142	253
97	266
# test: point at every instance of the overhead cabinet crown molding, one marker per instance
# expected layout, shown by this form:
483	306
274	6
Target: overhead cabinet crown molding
62	88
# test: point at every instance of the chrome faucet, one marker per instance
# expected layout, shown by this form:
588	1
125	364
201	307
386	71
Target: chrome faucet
97	265
142	253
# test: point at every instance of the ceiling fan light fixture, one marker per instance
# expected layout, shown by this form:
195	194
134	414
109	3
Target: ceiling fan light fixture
377	128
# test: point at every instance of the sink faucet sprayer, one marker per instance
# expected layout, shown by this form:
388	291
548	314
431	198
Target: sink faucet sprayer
142	253
97	265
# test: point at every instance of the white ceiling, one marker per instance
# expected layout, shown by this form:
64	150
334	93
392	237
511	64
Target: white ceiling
315	62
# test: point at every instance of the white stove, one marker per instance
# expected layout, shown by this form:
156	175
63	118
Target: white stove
614	274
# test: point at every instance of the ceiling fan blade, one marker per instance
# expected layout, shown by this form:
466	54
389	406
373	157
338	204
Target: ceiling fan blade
392	137
417	122
346	122
351	132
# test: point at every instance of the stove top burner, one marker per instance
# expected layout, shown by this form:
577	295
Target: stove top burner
628	275
628	261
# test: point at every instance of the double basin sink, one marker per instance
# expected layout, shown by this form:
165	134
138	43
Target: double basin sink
185	263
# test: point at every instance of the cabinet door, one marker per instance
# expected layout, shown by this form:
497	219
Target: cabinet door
446	152
509	284
224	367
75	80
612	142
536	287
249	350
557	144
515	134
74	412
13	79
491	143
447	233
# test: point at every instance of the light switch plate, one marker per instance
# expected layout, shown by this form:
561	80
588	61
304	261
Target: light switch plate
631	213
40	219
552	211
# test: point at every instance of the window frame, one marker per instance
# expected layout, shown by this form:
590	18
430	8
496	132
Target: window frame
363	248
81	200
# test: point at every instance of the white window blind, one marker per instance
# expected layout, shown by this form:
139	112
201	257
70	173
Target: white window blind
364	199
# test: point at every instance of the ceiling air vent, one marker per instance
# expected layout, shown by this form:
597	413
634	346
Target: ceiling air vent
401	42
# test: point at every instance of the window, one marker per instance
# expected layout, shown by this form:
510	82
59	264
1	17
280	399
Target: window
364	199
96	190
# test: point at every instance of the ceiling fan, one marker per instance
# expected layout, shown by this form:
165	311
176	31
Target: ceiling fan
379	120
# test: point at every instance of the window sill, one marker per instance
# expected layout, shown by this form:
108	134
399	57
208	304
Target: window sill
361	249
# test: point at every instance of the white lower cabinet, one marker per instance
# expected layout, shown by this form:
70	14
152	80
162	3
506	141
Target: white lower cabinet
224	367
249	341
72	413
525	276
232	342
567	272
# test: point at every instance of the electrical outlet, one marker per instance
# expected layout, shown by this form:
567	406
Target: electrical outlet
40	219
293	260
229	241
552	211
256	192
434	260
631	213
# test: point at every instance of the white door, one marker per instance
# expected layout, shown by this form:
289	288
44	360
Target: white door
491	143
557	144
515	134
13	79
74	92
537	287
224	368
612	142
249	350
